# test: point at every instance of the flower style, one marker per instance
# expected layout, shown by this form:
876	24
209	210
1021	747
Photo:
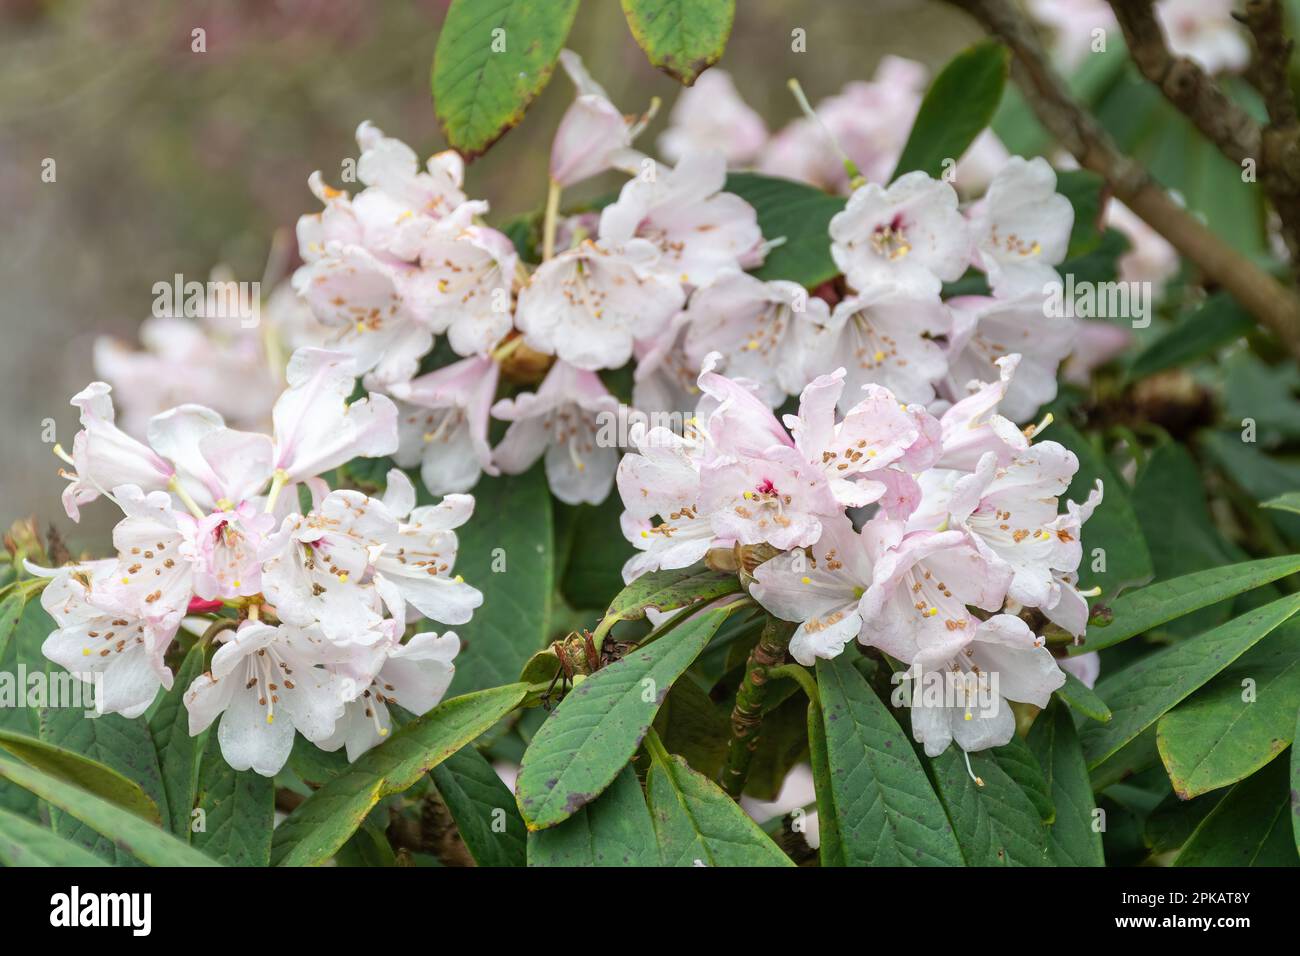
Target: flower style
561	420
1021	228
910	235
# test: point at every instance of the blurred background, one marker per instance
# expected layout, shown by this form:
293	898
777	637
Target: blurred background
170	161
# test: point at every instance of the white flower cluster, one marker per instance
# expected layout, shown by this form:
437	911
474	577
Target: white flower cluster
964	534
212	527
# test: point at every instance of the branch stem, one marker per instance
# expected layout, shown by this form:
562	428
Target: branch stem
751	696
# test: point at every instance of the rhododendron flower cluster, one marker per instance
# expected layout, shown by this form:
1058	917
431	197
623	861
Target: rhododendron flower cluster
935	540
305	592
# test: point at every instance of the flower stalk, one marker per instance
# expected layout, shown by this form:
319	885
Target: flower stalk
751	697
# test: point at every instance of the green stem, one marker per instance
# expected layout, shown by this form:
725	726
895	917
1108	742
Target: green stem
801	676
551	221
747	715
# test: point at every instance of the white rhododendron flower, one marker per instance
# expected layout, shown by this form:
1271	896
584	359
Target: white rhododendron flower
593	135
910	235
587	303
561	420
443	424
761	330
1021	228
883	338
700	230
712	115
985	330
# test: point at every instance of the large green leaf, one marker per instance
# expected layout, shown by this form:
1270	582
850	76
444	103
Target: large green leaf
1215	324
670	590
996	822
597	728
178	752
1140	611
238	811
124	745
1295	785
483	808
1250	826
507	553
81	771
493	58
144	841
325	820
681	37
831	851
24	843
1113	527
1054	742
1143	691
957	107
884	810
1287	502
1239	721
613	830
699	825
22	654
593	569
799	213
1170	501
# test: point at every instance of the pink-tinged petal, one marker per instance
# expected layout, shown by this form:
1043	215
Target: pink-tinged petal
712	115
104	456
972	427
316	429
1022	228
1086	667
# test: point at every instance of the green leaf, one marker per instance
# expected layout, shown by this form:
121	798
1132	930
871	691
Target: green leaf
506	552
593	570
480	90
1171	506
23	654
1020	764
24	843
1288	502
238	811
1222	734
1248	827
799	213
670	590
11	612
1113	527
144	841
597	728
1055	744
884	810
81	771
483	808
1295	785
698	824
124	745
957	107
178	752
831	852
613	830
325	820
1219	321
1145	690
1083	188
681	37
1140	611
694	726
1083	698
996	824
